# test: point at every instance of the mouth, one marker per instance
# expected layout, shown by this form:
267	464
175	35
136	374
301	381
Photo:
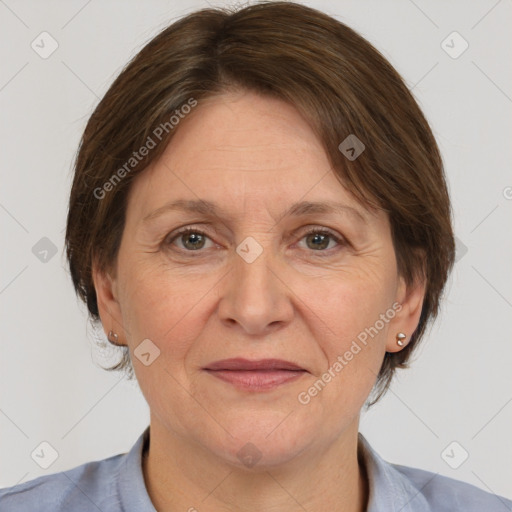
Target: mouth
260	375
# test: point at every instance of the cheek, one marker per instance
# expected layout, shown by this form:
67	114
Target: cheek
349	320
162	304
348	301
348	330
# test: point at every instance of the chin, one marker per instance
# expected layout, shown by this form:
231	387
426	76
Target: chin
259	441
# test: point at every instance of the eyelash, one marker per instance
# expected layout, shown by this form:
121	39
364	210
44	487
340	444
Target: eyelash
320	231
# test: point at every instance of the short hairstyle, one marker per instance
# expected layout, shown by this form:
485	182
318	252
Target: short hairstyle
334	77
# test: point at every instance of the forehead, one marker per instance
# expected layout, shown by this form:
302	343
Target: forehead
242	149
245	131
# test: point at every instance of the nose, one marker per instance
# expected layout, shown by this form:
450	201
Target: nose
255	295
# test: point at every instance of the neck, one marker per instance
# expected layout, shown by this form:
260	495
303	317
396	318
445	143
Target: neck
182	476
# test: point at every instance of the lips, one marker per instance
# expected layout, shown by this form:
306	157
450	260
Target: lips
255	376
240	364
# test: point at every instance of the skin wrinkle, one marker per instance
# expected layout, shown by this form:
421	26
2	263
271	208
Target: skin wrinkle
209	209
201	309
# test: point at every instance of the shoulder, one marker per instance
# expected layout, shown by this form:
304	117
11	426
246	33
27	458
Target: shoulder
91	486
408	489
447	494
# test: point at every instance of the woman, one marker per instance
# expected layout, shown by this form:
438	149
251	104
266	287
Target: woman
259	218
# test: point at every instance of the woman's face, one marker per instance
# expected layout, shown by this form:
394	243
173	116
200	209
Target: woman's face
251	281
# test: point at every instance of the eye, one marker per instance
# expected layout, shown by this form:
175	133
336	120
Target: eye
319	239
192	239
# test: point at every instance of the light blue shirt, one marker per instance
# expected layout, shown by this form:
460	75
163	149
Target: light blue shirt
116	484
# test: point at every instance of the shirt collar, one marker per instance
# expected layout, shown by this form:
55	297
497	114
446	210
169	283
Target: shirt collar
389	489
133	494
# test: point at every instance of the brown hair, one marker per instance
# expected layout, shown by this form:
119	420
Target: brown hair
333	76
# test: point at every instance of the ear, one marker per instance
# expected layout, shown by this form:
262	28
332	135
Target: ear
108	304
406	320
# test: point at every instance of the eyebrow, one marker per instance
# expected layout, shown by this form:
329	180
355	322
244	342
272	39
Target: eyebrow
297	209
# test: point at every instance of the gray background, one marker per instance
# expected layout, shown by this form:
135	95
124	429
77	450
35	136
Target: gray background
52	388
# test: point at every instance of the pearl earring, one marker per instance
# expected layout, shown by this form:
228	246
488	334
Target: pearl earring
113	337
400	337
